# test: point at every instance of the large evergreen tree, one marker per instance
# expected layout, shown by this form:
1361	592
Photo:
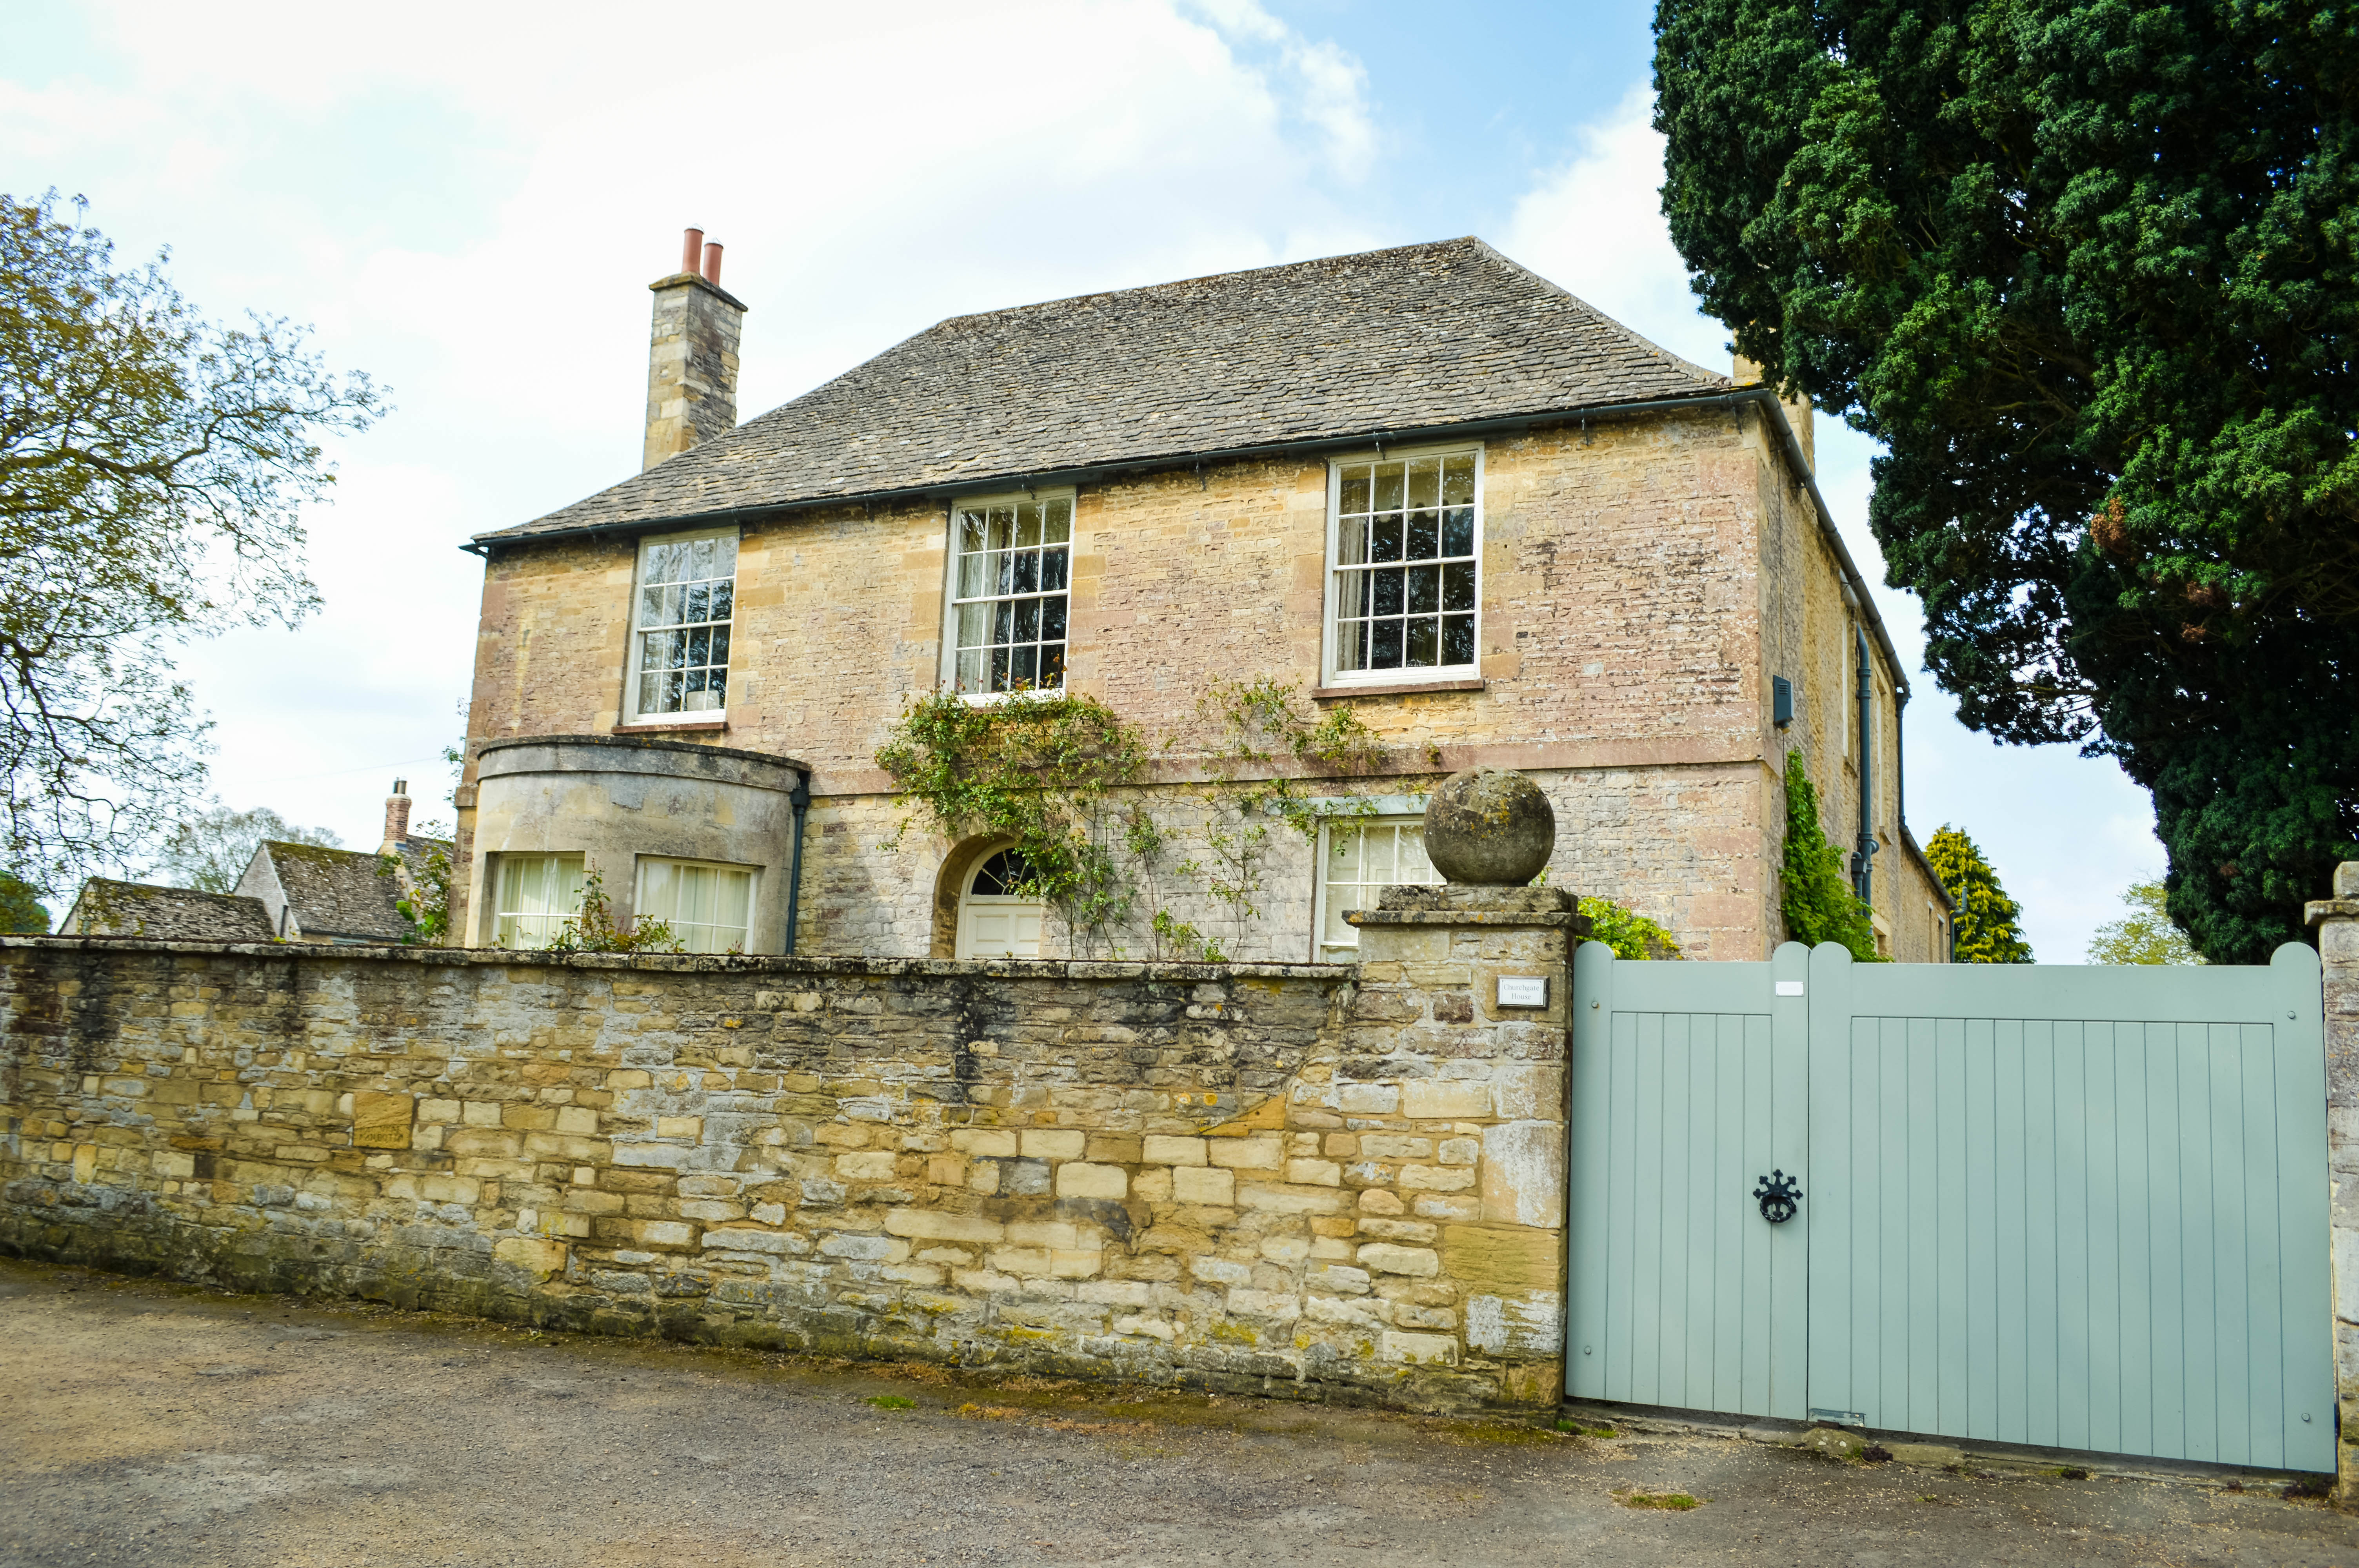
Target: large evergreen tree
2088	271
1988	923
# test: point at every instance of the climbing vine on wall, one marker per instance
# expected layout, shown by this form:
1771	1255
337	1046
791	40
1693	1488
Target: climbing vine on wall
1817	898
1056	774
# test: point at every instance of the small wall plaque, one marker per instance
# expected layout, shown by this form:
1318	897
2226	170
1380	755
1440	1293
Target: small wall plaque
1790	988
1522	991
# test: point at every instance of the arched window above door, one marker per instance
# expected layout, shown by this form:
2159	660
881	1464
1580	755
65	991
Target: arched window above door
996	919
1002	874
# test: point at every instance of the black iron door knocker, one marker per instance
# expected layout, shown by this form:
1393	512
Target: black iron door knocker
1780	1195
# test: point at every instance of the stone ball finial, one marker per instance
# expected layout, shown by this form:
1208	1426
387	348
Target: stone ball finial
1489	826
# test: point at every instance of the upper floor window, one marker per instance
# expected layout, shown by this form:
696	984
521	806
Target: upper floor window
1010	567
1405	538
679	625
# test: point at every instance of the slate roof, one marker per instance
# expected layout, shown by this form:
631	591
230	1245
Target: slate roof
1385	341
109	908
338	892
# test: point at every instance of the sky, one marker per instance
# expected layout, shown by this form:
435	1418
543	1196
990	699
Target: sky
468	201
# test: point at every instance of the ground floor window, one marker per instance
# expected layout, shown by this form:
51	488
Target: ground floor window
998	917
1358	858
535	896
709	908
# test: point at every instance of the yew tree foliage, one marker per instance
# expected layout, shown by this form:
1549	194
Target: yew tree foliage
2086	269
1988	923
151	467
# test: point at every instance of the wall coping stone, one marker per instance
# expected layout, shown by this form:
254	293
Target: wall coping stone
1475	904
635	754
2320	909
705	963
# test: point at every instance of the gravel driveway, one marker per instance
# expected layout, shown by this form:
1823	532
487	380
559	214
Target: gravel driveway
152	1423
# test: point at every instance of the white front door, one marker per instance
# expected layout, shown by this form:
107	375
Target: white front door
996	920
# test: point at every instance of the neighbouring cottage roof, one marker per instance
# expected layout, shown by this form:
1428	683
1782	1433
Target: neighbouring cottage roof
346	894
109	908
1383	341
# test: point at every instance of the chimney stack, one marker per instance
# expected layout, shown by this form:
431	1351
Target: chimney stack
396	817
692	354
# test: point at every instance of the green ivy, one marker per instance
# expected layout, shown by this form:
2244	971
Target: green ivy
1816	897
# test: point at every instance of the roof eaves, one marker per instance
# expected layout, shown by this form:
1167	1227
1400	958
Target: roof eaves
1707	396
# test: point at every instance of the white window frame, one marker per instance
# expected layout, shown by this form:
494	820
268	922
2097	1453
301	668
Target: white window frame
1329	674
753	894
950	601
497	881
1327	826
631	712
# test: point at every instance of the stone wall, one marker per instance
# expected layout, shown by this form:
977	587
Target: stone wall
1310	1180
2337	920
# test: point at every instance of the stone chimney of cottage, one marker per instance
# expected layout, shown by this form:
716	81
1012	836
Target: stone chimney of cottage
691	354
1797	409
396	817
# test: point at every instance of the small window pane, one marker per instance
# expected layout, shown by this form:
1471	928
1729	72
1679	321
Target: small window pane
1384	645
1028	528
1355	490
1424	644
1352	542
1424	589
1052	570
1458	532
1385	539
1388	486
1028	573
1424	533
1458	639
1458	587
1458	480
1425	482
1060	526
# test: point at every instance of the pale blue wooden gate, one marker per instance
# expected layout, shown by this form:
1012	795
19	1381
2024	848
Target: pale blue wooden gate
2078	1207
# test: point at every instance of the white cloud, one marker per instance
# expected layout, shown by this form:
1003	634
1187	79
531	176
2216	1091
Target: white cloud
1595	225
470	200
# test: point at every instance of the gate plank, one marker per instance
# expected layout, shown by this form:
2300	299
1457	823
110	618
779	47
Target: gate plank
2265	1363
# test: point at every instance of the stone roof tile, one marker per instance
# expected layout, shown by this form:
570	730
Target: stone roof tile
1388	341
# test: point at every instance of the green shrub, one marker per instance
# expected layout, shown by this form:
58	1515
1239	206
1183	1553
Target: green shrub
1816	897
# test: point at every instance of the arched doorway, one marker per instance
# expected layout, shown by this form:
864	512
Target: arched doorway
994	920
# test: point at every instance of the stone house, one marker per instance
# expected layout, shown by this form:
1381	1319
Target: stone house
105	907
289	892
1422	483
311	894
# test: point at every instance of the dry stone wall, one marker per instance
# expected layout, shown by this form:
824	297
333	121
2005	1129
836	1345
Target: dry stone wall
1248	1176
